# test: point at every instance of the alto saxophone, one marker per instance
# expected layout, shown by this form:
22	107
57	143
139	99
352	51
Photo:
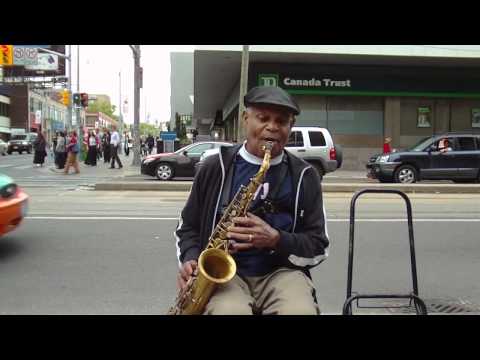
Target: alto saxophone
215	265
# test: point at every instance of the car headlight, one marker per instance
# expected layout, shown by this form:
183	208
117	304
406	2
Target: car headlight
8	191
147	160
8	143
24	143
383	158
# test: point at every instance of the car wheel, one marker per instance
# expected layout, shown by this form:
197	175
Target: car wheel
20	152
164	172
29	151
9	152
406	174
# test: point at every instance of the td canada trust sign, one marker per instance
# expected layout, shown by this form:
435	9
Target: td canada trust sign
291	82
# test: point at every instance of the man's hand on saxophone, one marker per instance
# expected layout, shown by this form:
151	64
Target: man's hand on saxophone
252	231
186	271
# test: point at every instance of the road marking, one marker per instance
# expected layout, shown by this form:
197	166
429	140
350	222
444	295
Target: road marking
176	218
25	167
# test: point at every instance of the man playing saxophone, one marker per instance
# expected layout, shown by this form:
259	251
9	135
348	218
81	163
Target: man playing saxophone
284	233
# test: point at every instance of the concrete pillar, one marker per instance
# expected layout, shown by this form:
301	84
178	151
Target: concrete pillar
441	116
391	120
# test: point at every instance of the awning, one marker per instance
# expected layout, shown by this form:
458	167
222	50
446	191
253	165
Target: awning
5	130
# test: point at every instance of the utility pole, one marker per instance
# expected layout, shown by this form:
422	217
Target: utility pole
136	101
243	91
70	103
120	101
77	109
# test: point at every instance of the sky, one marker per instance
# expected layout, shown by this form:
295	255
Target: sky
100	66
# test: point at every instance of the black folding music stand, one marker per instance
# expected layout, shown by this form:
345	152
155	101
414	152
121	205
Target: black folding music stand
420	307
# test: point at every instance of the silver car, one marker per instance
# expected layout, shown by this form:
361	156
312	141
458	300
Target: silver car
3	147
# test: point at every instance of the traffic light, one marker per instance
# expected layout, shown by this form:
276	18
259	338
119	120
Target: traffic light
76	99
84	99
6	54
65	97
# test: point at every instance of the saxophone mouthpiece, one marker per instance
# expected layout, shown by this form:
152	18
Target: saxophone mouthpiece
268	146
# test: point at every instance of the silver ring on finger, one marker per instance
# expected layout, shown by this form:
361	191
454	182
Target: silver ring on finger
250	237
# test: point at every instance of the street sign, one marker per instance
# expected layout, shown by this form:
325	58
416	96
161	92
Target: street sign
46	62
25	56
166	135
38	117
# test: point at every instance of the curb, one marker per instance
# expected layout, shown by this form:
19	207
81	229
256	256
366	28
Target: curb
326	187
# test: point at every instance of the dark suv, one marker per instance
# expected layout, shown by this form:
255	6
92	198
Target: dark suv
460	162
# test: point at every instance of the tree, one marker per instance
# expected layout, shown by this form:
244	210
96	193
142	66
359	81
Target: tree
146	129
103	107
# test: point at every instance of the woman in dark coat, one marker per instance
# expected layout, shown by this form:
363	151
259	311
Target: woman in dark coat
92	149
106	146
40	147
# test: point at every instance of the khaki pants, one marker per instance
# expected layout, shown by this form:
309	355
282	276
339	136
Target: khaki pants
283	292
72	161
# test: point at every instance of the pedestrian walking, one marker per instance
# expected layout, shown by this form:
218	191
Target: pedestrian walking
106	146
61	150
386	145
99	142
40	147
114	144
73	148
92	150
150	143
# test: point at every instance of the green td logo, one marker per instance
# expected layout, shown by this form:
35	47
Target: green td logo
267	79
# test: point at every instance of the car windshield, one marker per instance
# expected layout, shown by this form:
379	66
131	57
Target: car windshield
19	137
422	144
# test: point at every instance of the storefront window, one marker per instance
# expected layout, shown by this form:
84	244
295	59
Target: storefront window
475	118
424	117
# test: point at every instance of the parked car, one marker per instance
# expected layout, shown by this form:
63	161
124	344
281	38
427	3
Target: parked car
13	205
3	147
21	143
312	144
315	145
181	163
206	154
425	161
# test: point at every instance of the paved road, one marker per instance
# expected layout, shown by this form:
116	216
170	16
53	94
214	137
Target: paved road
21	168
91	252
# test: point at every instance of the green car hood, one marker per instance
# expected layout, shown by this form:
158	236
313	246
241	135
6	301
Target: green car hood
5	180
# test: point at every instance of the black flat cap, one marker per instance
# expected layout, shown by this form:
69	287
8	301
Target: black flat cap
271	95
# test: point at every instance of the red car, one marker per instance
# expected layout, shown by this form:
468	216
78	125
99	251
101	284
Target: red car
13	205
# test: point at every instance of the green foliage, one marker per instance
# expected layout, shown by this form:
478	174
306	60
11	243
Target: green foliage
146	129
104	107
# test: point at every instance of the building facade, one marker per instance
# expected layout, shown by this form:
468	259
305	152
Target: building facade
361	97
4	117
181	85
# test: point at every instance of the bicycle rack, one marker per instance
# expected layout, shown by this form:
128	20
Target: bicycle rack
420	307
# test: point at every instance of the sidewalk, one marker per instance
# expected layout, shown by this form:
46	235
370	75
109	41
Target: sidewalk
344	181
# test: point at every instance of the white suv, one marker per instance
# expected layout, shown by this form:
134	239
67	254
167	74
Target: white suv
315	145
